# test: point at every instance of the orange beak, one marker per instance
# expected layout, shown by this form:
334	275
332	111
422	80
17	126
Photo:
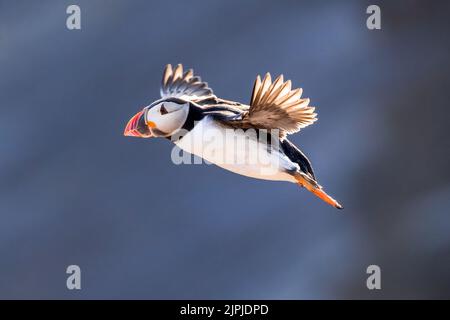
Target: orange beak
131	128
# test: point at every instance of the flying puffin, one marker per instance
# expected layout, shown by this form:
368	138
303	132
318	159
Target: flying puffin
249	140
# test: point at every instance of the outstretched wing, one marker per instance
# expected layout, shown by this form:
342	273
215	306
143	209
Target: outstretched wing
276	106
183	85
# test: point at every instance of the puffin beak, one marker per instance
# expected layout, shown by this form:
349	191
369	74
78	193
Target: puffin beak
131	128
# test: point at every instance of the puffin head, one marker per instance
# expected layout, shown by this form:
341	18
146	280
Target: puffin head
160	119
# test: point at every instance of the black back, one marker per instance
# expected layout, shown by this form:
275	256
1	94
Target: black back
295	155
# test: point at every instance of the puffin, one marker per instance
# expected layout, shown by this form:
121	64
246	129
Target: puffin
247	139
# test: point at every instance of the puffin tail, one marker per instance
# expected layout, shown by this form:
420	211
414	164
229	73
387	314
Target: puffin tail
311	185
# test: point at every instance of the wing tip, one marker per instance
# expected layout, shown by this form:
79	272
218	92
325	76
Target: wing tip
176	83
280	96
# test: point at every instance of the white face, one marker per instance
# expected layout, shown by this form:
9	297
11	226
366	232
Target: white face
166	117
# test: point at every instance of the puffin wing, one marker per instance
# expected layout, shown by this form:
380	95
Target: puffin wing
177	83
276	106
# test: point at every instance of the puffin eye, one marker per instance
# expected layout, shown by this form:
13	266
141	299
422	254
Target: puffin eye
163	110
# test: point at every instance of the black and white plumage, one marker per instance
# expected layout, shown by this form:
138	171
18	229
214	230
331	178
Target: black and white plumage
249	140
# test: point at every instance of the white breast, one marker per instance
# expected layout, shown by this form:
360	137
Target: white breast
237	151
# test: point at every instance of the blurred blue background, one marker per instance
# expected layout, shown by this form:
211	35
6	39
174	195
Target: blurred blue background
73	190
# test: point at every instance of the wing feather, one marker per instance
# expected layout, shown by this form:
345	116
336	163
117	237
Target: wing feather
275	105
256	87
184	85
262	88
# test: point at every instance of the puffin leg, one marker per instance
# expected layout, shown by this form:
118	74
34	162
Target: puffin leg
312	186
